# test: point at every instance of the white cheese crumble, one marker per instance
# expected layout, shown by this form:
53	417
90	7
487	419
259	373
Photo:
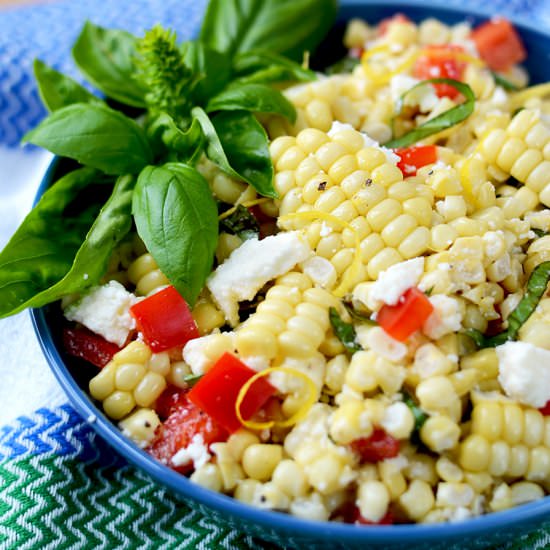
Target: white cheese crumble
105	310
196	452
320	271
195	352
337	126
444	319
424	96
251	266
524	372
394	282
379	341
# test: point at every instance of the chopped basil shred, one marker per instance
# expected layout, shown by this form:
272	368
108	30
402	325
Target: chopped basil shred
361	317
344	331
241	223
445	120
419	415
344	65
536	287
504	83
192	379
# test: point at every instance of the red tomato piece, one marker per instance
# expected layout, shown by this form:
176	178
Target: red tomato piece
170	399
184	422
499	44
388	519
438	62
546	409
413	158
407	316
216	392
89	346
379	446
165	320
385	23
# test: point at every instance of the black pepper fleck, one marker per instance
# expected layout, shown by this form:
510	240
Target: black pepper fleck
322	186
368	182
147	424
430	173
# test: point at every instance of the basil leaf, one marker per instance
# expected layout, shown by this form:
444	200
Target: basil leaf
177	218
106	58
419	415
95	136
241	223
287	27
536	287
266	67
343	331
192	379
187	145
43	248
238	144
445	120
57	90
504	83
215	68
365	319
252	97
345	65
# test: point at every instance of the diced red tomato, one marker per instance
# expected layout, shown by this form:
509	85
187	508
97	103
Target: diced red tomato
437	61
379	446
170	399
546	409
184	422
413	158
385	23
89	346
216	392
388	519
499	44
407	316
165	320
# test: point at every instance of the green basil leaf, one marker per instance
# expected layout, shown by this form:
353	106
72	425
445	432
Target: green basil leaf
265	67
187	145
361	317
252	97
241	223
536	287
238	144
504	83
287	27
343	331
445	120
192	379
215	68
177	218
95	136
42	250
106	57
57	90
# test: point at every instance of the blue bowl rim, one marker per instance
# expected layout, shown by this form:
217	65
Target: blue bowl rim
285	524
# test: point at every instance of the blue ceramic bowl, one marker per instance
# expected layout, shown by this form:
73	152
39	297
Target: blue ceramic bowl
280	528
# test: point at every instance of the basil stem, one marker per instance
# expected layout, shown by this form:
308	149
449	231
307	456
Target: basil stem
536	287
344	331
445	120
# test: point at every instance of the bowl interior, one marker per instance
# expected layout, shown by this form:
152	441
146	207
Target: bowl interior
74	374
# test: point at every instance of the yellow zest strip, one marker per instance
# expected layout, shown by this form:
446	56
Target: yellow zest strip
385	77
247	204
519	98
295	418
352	271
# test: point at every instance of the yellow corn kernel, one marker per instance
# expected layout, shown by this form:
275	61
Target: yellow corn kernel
259	460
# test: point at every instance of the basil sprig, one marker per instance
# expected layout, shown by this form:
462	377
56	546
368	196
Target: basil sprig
445	120
166	105
536	287
345	332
